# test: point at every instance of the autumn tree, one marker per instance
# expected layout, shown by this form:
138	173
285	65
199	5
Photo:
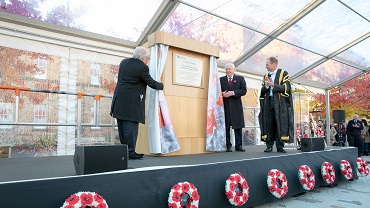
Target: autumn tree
201	29
26	8
352	96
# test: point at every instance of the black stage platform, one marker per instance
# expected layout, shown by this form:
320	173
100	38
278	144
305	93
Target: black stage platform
48	181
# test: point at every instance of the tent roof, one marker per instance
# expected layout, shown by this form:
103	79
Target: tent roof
321	43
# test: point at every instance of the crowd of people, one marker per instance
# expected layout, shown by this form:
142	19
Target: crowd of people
355	133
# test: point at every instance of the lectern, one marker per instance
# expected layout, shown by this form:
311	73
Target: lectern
186	91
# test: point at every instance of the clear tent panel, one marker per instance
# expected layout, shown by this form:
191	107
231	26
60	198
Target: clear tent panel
232	39
111	18
358	54
329	73
291	58
255	14
360	6
327	28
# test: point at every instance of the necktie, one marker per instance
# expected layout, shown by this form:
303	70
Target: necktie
230	80
269	75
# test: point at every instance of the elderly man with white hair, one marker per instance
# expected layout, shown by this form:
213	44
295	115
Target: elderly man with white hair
233	87
128	103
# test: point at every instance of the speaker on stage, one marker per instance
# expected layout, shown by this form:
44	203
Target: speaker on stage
339	116
312	144
100	158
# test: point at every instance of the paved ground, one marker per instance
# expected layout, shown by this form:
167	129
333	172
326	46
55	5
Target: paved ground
351	194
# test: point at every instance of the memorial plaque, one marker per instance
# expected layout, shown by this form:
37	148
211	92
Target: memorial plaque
188	71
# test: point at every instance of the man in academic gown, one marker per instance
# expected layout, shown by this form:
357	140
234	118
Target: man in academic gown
276	117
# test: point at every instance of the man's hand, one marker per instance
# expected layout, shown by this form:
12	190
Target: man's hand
227	94
269	82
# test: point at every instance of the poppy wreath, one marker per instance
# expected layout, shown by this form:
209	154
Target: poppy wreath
346	169
237	198
277	183
362	166
306	177
85	199
178	191
328	172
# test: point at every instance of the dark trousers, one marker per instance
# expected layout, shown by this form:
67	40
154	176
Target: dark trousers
355	141
127	131
238	138
272	129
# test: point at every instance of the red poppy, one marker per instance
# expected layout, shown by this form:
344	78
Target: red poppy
232	186
176	196
231	178
229	194
271	174
176	187
245	197
185	187
237	178
172	205
195	196
272	188
73	199
102	205
86	198
98	198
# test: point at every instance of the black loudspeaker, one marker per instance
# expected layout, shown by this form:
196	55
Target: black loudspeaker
339	116
312	144
100	158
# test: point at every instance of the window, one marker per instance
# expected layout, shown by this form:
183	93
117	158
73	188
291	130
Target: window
6	114
41	68
95	74
40	116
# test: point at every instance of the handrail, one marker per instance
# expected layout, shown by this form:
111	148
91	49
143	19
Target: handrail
78	124
53	91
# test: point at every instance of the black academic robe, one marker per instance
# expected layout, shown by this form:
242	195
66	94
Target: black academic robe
283	103
233	105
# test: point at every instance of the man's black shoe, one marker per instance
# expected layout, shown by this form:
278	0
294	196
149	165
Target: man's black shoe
139	154
133	156
229	150
268	149
240	150
281	150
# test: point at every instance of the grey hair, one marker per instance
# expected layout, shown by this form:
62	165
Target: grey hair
140	52
230	64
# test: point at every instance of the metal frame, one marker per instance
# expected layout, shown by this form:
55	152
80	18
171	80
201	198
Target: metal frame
78	123
278	31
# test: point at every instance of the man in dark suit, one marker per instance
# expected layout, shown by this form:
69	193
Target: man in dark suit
233	87
128	103
276	115
354	128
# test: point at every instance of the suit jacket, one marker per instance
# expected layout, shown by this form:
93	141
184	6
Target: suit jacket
128	101
283	103
354	131
233	105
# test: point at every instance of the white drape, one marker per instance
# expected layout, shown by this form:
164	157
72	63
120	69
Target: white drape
215	132
161	136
